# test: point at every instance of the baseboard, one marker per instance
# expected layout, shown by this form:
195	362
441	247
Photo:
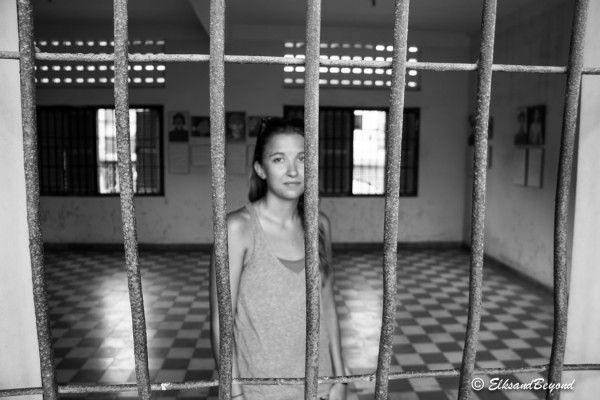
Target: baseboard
121	247
401	245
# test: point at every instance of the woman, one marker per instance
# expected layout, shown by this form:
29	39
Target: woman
266	265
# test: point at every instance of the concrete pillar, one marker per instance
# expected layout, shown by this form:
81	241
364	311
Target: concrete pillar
19	356
583	333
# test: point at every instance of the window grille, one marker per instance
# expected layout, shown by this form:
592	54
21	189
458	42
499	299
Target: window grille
376	76
78	150
352	150
97	74
312	63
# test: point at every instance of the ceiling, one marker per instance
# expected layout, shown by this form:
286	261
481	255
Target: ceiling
460	16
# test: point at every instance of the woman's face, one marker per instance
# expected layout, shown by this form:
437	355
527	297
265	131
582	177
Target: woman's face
283	165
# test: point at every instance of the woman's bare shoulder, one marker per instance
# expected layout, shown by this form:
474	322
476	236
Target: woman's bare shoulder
239	223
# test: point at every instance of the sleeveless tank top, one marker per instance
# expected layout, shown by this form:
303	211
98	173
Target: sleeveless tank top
270	322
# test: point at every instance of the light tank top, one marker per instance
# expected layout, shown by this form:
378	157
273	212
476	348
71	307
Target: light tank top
270	322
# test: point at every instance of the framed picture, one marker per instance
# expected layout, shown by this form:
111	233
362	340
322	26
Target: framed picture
179	128
536	120
530	125
235	126
200	127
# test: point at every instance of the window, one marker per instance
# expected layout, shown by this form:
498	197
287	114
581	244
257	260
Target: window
352	150
78	150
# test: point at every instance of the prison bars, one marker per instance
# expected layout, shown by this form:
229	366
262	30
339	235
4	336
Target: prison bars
392	198
235	59
190	385
32	189
217	154
311	196
217	60
563	193
134	280
484	89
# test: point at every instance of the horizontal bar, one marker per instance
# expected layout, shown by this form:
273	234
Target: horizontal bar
419	65
163	386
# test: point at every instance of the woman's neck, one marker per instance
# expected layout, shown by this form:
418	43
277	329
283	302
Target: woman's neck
278	210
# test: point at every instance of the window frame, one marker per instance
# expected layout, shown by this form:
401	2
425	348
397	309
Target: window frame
159	108
294	110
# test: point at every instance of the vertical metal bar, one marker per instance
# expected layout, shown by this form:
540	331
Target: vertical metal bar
561	212
311	196
392	197
217	152
134	281
32	187
484	89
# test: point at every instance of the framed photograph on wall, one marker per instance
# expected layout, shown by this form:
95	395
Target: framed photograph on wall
179	126
536	125
200	132
235	126
530	126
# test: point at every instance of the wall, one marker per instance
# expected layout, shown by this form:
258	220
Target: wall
183	215
520	220
19	356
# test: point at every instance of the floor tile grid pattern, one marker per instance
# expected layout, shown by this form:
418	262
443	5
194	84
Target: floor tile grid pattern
91	323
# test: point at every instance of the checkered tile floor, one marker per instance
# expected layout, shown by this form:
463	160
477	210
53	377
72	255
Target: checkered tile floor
91	322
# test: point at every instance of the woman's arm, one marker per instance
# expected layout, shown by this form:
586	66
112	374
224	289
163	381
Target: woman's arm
237	238
338	391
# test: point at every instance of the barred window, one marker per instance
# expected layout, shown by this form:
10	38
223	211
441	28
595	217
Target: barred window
352	150
78	150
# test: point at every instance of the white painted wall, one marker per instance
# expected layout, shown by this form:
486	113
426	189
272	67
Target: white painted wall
19	357
520	220
183	215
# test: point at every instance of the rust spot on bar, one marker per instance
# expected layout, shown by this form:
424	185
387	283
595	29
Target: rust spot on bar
134	281
311	196
486	55
561	212
32	187
392	197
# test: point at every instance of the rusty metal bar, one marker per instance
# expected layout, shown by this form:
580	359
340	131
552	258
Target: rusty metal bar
392	198
268	60
484	89
134	281
32	188
563	186
163	386
217	153
311	197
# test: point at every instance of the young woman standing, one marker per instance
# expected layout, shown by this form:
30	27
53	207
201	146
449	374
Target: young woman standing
267	264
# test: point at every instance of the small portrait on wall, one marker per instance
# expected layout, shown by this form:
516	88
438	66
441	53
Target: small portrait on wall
536	118
473	126
235	126
531	125
521	126
179	129
200	127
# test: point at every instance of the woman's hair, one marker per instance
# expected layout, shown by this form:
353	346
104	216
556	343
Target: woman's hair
258	186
